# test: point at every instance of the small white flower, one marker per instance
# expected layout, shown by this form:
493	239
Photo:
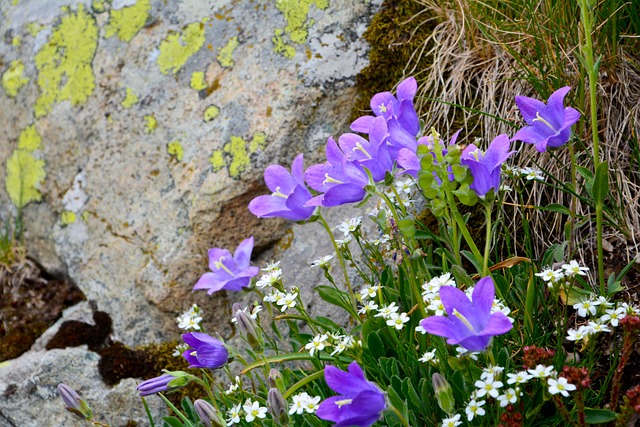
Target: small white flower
274	296
452	421
604	302
234	414
405	186
272	266
595	327
387	310
180	348
577	334
302	402
420	329
350	226
322	262
429	356
613	316
561	385
541	371
233	387
518	378
253	410
463	352
550	275
271	278
190	319
436	306
345	343
344	242
508	397
367	307
369	292
287	301
397	320
474	409
532	174
488	386
493	371
318	343
586	306
574	269
311	405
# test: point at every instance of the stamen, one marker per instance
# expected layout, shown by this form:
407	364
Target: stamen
328	179
463	320
194	353
382	108
219	265
540	119
359	147
278	193
343	402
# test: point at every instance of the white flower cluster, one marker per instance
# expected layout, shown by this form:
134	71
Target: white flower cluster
603	315
340	343
180	348
234	386
429	357
269	279
284	300
252	411
190	319
555	277
528	173
304	403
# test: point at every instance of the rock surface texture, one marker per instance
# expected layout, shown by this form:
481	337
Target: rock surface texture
134	134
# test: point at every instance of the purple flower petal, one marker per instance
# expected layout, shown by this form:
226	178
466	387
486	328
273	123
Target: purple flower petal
209	282
278	179
498	324
483	295
297	169
362	124
529	107
407	89
242	256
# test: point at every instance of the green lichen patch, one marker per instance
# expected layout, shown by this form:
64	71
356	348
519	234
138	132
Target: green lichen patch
211	112
34	28
16	41
177	48
99	6
13	78
225	56
130	98
197	81
150	123
236	154
174	149
29	139
25	174
67	217
296	13
128	21
64	62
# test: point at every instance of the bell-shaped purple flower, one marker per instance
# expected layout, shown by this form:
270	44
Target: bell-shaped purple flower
372	154
341	180
549	126
164	382
486	167
468	323
398	108
228	272
204	351
360	402
289	194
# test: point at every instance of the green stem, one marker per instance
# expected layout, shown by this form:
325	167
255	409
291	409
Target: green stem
347	281
399	415
487	243
464	230
306	380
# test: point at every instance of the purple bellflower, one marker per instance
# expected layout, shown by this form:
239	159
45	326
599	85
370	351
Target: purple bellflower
289	194
549	126
398	109
486	167
469	323
205	351
164	382
228	272
340	179
74	403
372	154
360	402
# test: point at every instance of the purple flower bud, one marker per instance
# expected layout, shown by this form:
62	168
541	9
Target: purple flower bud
277	406
207	413
205	351
247	328
275	379
444	393
165	382
74	403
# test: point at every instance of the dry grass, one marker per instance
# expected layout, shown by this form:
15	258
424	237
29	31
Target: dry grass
482	54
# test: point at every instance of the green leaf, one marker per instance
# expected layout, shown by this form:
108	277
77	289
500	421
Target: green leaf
466	195
599	416
407	227
468	255
601	183
588	178
327	323
171	422
285	358
557	208
188	408
375	345
334	296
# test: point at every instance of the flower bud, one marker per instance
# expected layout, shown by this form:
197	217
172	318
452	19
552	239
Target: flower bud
208	415
275	379
277	406
74	403
444	393
247	328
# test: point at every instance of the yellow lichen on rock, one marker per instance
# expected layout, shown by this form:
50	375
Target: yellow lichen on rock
13	78
197	81
150	123
296	13
174	149
217	160
128	21
177	48
258	142
64	62
29	139
25	173
239	151
225	56
130	99
34	28
68	217
211	112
